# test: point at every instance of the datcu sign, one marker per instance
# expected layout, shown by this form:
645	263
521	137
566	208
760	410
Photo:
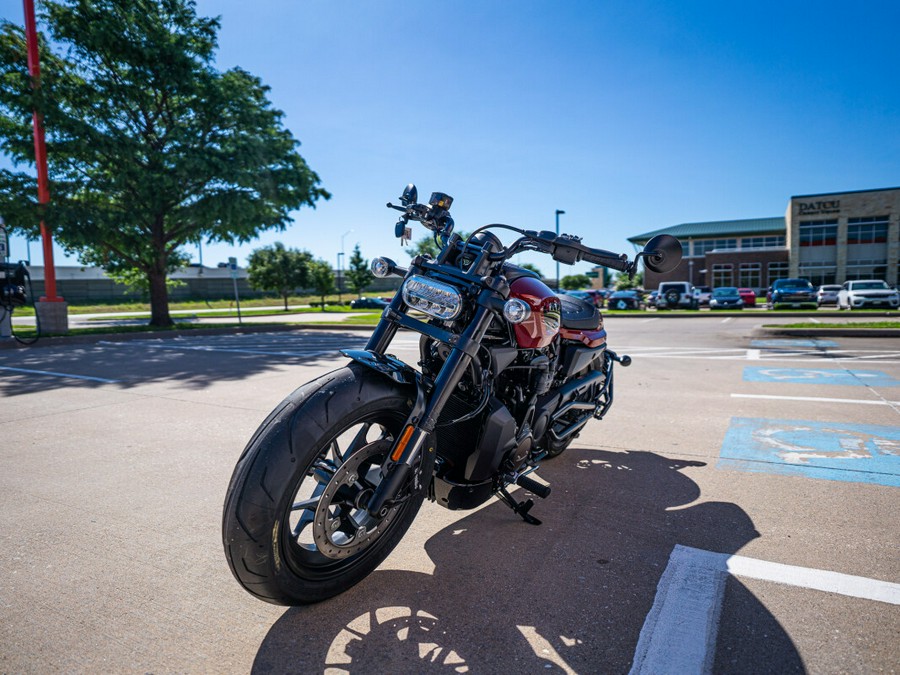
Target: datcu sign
819	208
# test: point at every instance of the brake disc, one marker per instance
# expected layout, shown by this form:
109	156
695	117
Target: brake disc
342	527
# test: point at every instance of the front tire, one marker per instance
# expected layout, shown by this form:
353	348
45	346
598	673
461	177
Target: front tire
294	527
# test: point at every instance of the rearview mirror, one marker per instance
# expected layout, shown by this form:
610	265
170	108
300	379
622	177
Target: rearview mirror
662	253
410	195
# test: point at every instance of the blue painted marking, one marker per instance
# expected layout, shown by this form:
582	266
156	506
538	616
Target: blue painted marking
855	453
792	344
859	378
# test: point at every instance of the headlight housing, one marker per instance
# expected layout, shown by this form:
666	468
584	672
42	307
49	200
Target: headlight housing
434	298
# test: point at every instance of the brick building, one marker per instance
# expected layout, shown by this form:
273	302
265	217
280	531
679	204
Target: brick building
826	238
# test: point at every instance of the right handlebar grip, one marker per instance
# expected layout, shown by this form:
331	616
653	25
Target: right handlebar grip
608	259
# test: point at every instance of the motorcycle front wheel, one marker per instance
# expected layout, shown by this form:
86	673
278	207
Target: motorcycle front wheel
294	526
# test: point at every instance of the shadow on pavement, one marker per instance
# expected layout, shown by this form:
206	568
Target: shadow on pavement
568	596
194	362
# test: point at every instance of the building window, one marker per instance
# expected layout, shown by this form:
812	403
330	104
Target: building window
818	233
819	273
775	241
866	269
750	275
704	246
867	230
778	270
722	275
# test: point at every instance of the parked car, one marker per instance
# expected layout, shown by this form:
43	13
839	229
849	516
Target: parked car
726	297
796	293
592	296
862	293
675	294
748	295
650	300
368	303
625	300
827	294
702	295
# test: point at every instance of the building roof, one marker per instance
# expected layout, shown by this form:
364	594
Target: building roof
718	228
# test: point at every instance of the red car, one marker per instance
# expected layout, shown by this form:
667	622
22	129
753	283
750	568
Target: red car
748	296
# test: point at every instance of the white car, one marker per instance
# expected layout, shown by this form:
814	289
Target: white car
862	293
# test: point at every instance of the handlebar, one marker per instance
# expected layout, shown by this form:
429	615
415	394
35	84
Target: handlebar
564	248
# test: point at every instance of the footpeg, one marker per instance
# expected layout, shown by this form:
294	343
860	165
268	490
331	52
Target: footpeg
538	489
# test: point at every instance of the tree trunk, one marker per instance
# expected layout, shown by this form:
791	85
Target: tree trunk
159	299
285	301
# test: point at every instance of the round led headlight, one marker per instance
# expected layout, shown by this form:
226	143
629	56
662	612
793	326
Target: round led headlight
381	267
516	310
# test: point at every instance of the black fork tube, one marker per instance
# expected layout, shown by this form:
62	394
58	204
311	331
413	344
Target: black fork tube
464	348
385	330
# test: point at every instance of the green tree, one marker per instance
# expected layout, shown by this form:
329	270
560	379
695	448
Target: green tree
624	282
575	281
321	276
136	281
427	245
533	268
150	147
279	269
359	276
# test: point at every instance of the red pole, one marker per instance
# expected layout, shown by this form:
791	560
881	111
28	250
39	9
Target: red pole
40	152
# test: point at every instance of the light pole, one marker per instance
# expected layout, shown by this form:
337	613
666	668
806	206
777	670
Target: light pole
558	212
341	267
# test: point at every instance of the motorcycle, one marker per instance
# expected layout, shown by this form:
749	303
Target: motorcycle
509	374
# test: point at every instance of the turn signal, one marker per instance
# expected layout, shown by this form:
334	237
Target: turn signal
516	310
401	445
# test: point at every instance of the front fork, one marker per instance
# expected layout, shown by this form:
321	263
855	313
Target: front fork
423	418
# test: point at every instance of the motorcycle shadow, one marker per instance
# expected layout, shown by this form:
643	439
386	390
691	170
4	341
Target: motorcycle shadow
568	596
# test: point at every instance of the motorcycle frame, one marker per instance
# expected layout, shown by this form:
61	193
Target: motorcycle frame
490	294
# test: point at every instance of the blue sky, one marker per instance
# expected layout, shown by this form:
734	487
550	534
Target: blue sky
630	116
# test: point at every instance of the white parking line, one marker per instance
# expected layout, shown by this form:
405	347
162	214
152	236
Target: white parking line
679	633
815	399
55	374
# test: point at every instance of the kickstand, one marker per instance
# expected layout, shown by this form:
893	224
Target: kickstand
522	508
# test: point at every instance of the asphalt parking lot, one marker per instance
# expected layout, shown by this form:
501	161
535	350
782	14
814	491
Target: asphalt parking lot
736	512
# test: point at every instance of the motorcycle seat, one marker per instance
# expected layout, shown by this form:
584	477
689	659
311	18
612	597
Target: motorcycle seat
578	314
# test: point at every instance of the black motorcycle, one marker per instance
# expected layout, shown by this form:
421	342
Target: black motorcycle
509	373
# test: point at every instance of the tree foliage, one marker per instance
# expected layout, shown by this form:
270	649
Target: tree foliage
359	276
321	276
428	245
149	146
625	283
532	268
575	281
279	269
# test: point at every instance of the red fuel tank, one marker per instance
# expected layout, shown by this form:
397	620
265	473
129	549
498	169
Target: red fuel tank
539	329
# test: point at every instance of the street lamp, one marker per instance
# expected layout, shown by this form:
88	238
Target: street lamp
558	212
340	259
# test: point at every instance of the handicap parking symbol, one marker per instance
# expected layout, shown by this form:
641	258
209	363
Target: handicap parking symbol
856	453
838	376
792	344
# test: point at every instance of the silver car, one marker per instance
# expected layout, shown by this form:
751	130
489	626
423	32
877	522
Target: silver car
827	294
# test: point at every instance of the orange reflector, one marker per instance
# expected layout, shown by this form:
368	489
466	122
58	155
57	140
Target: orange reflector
401	446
